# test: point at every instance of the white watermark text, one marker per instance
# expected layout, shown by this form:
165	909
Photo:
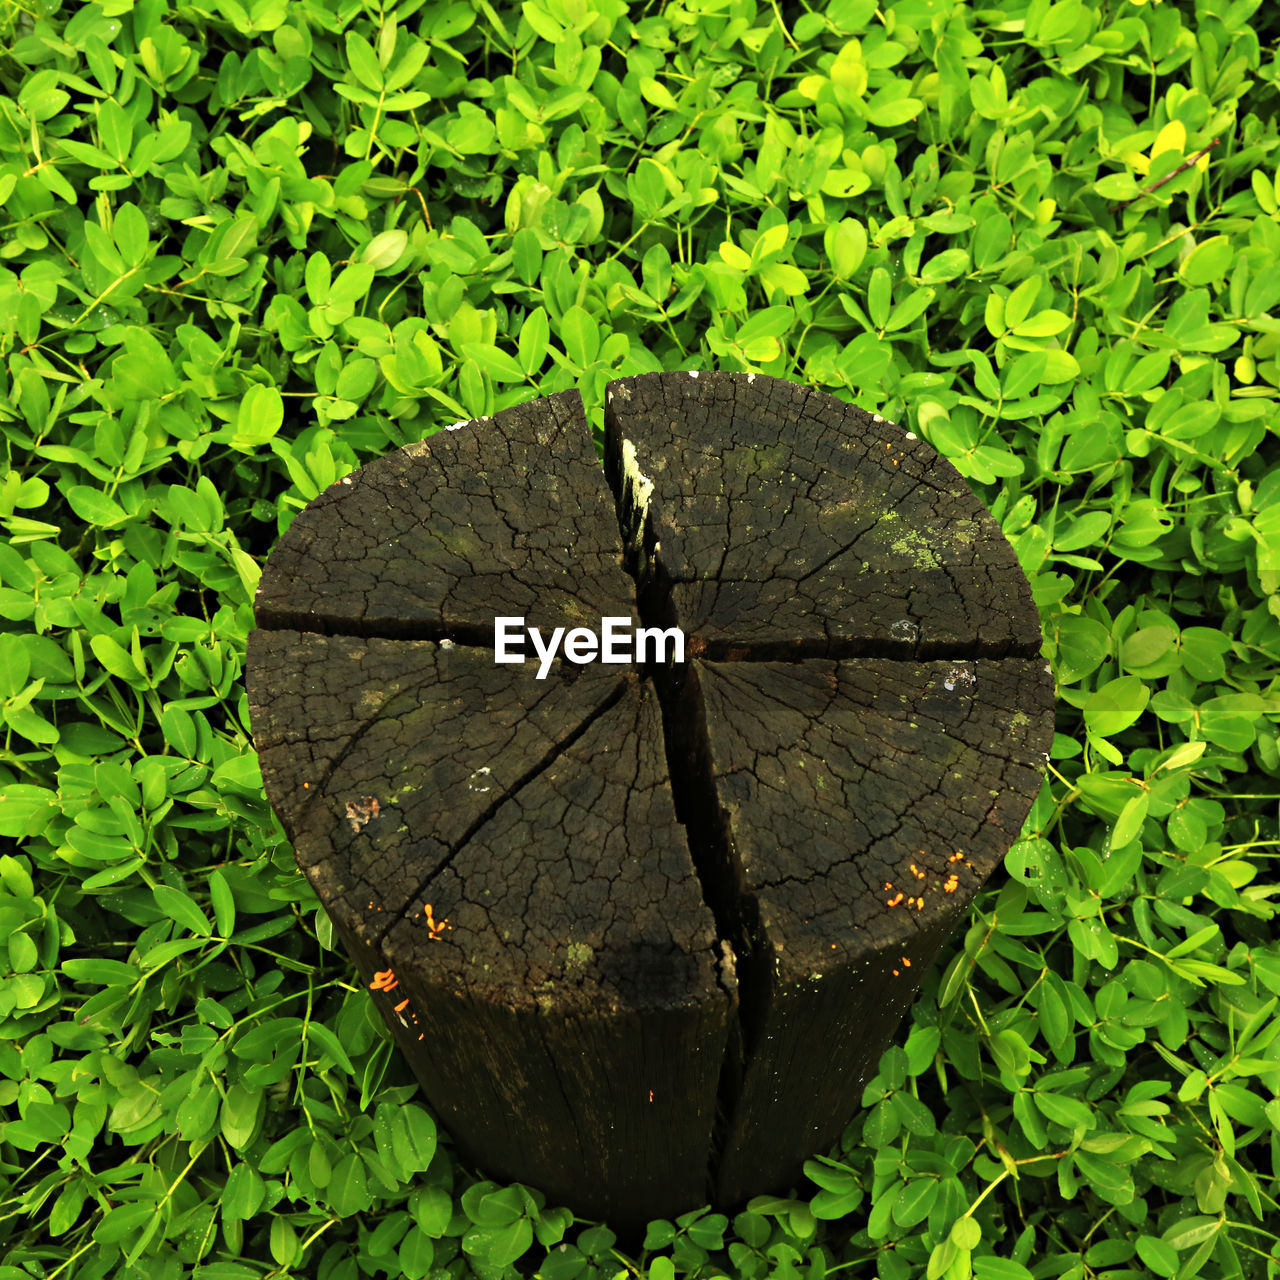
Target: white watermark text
617	642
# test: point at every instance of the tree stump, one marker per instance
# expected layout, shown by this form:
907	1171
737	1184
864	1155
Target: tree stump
643	930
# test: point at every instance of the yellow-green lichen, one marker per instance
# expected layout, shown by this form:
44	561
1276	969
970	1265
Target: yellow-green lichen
915	546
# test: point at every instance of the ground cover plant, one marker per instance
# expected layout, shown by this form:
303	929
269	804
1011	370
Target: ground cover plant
248	245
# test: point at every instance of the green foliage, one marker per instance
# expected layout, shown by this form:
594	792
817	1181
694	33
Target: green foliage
246	247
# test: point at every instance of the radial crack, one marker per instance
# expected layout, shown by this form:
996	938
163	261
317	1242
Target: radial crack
549	758
461	633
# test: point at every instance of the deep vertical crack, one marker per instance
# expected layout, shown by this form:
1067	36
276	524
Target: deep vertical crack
735	910
744	961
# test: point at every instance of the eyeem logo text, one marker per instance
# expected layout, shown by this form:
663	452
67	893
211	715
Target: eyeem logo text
616	642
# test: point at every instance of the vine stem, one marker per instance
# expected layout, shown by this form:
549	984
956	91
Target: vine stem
1169	177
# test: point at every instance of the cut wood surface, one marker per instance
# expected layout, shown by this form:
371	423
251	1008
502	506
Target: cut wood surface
643	931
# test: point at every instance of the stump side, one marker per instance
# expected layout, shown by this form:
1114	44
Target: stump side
562	1102
794	1103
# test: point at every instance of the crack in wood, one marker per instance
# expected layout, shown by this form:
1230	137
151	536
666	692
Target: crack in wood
554	752
374	629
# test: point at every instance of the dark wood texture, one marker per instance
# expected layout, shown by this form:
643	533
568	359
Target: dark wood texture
650	929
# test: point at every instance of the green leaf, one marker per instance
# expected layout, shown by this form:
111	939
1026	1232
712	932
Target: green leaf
1018	304
329	1044
909	310
989	93
224	905
547	26
385	249
260	417
94	507
947	265
499	1246
769	322
581	336
993	1268
102	972
914	1202
129	231
879	297
498	364
242	1193
885	109
348	1190
242	1110
1207	262
527	255
1116	705
182	910
363	61
846	246
655	92
533	342
1043	324
117	660
432	1210
1129	823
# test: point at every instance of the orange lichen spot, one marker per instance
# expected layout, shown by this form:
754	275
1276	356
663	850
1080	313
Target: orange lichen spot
402	1004
833	946
906	962
887	886
437	927
423	1036
915	871
919	904
893	902
650	1095
895	973
911	902
952	883
306	786
383	980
